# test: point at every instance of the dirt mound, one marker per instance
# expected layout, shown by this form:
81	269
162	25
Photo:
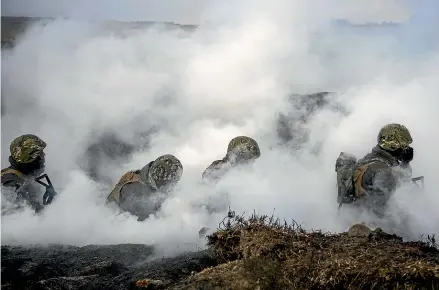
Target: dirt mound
260	253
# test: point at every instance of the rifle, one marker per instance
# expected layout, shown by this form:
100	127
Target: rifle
419	178
50	190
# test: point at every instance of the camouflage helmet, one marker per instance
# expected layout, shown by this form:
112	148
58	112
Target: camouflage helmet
243	148
27	148
165	170
393	137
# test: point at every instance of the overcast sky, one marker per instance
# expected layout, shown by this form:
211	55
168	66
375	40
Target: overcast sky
188	11
182	11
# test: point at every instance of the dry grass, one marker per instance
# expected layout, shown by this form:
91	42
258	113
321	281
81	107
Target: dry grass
263	253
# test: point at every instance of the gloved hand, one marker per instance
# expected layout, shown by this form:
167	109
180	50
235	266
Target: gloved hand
49	195
407	155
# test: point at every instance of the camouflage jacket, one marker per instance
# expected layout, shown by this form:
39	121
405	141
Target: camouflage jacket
134	195
25	188
377	176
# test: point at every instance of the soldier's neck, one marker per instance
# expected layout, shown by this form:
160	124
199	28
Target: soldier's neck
33	168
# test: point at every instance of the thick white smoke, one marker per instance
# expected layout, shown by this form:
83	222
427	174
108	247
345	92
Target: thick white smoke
230	77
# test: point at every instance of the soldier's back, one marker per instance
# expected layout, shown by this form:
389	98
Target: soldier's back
131	194
216	170
24	188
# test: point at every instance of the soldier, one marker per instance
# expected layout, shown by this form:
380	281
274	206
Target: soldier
27	161
372	180
141	192
241	150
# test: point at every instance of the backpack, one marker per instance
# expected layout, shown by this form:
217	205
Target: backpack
345	167
129	177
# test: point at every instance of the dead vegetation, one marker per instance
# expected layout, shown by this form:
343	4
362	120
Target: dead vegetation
263	253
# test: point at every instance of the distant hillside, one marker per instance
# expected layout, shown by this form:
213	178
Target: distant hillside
11	27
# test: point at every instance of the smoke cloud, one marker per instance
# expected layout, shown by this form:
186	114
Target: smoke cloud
187	11
169	91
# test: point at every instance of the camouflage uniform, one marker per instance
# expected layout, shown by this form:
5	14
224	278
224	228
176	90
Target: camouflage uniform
241	149
27	162
141	192
378	174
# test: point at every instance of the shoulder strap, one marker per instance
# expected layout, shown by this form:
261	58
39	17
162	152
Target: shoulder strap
358	178
12	171
129	177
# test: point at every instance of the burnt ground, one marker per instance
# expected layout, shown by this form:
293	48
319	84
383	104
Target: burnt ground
93	267
254	253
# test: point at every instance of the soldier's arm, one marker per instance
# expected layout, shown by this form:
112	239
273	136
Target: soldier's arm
379	181
23	190
12	180
137	199
18	184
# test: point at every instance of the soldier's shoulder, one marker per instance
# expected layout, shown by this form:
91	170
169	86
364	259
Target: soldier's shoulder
12	178
372	159
217	164
137	189
132	175
215	170
380	165
367	158
379	172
